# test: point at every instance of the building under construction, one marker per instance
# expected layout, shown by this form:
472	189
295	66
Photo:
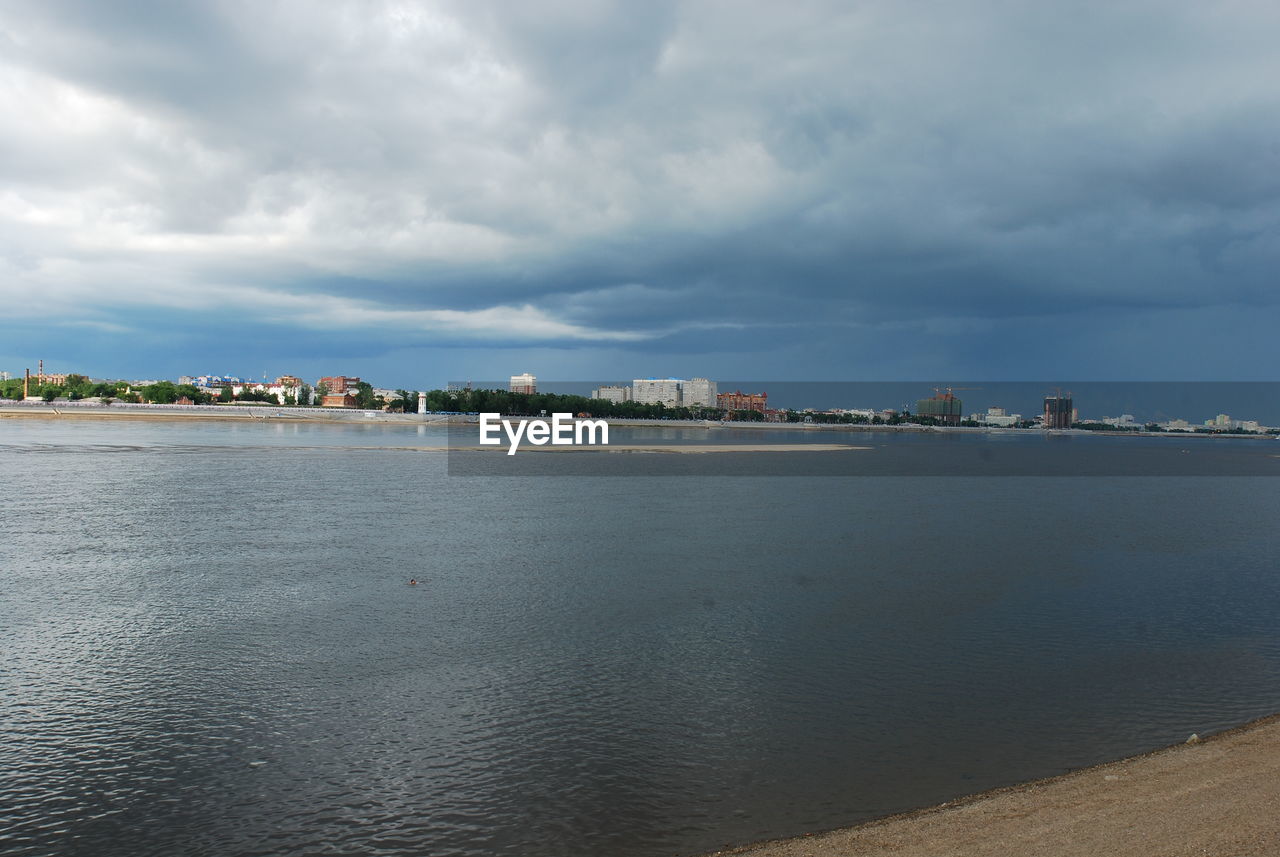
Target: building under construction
1057	411
944	407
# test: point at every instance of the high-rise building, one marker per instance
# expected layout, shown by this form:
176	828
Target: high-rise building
657	391
526	383
1057	411
944	407
698	393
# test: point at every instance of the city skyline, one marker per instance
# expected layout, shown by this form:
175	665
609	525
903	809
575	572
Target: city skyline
400	188
1129	404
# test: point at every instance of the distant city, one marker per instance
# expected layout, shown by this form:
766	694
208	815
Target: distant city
674	398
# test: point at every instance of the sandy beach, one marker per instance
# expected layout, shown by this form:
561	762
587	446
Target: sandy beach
1219	796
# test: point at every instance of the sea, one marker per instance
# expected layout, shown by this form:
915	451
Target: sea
211	645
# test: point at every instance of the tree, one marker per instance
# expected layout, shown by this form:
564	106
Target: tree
365	398
194	393
161	393
225	395
304	395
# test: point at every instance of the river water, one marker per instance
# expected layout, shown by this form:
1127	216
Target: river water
210	647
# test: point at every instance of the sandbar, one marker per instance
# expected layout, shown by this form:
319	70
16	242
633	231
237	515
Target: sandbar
675	448
1219	796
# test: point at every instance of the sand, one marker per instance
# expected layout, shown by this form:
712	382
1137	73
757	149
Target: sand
673	448
1216	797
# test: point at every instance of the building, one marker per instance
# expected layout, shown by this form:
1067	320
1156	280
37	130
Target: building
657	391
944	407
997	417
289	381
211	384
1057	411
339	384
338	400
740	401
698	393
526	383
612	393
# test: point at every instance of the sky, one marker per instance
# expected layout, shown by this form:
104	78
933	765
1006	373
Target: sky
419	193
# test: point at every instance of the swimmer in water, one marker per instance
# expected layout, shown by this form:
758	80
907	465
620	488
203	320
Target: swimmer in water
413	581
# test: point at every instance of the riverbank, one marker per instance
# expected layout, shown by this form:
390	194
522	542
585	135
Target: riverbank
1219	796
73	410
191	413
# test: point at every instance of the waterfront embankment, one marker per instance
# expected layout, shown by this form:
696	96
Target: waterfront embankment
74	410
178	413
1219	796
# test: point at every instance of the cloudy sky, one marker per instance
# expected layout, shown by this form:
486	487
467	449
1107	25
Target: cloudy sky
424	192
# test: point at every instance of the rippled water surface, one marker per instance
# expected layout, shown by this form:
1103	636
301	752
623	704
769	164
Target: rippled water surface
210	647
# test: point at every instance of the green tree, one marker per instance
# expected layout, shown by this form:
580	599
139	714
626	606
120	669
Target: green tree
225	395
365	397
161	393
194	393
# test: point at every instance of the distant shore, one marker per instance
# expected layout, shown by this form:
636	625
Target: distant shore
243	413
1218	796
273	413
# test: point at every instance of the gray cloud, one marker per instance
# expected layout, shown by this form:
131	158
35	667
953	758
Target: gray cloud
670	178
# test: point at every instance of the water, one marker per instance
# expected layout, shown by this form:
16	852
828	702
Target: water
210	647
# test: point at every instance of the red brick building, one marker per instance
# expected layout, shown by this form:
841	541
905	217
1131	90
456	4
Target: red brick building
740	401
339	384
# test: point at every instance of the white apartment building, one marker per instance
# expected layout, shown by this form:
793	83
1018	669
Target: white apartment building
612	393
698	393
997	417
525	383
657	391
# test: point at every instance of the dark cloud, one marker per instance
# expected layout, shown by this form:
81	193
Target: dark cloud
799	189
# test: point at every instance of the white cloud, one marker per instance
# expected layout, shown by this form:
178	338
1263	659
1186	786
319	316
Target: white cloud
498	169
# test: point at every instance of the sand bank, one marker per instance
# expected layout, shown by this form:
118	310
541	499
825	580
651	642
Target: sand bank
1217	797
674	448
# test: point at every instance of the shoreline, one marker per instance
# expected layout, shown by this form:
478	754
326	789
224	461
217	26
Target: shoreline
674	448
343	416
1217	795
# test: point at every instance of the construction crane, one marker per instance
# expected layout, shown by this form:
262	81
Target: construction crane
937	391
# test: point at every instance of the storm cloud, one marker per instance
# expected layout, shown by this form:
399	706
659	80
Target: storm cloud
597	189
